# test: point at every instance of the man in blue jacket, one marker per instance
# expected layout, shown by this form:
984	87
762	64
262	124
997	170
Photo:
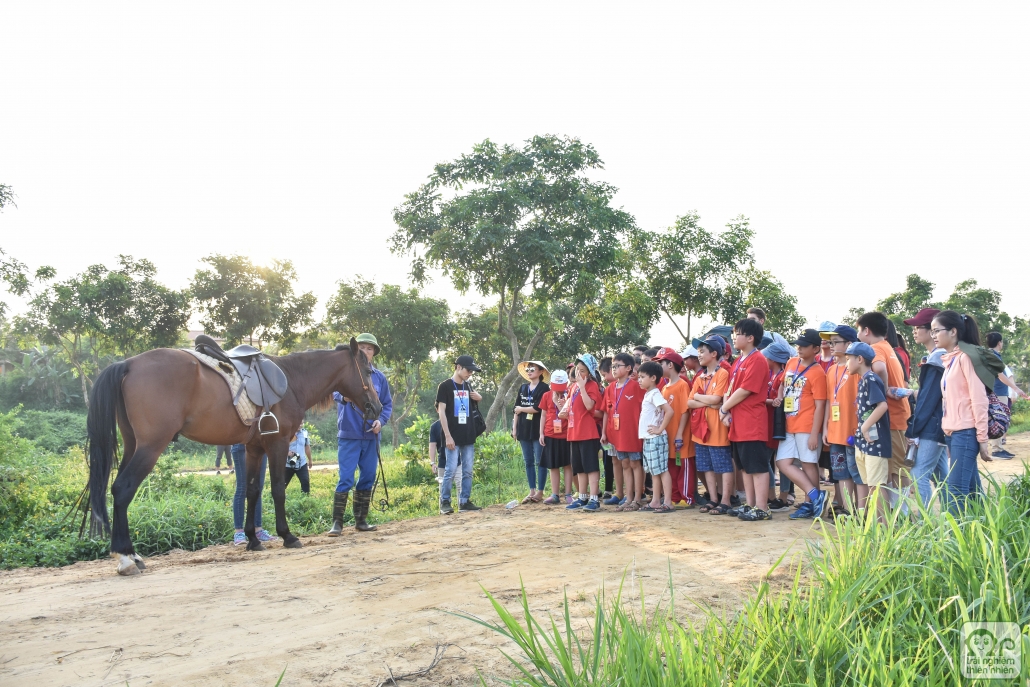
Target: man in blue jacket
925	428
357	443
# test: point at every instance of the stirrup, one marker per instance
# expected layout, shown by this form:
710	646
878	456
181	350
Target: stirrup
261	419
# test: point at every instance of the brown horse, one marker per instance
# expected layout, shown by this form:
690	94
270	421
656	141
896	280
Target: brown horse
162	393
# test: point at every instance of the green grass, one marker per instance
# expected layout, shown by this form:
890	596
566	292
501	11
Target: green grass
872	605
1020	417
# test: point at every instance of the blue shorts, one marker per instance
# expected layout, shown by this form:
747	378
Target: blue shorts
839	461
630	455
718	459
853	466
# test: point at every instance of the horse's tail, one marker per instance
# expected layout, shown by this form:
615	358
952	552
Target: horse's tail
102	440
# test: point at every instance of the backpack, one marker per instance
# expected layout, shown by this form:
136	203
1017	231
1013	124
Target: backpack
999	417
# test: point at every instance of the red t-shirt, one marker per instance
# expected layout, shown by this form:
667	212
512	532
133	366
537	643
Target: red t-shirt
726	365
547	406
774	390
750	417
625	401
583	424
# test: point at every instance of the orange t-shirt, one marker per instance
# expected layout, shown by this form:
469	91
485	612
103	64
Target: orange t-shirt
712	385
841	389
805	385
676	394
898	408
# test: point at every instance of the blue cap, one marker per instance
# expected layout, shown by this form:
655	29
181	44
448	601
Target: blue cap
843	331
779	351
863	349
827	326
715	343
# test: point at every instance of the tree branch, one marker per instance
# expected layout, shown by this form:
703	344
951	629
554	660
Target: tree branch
675	325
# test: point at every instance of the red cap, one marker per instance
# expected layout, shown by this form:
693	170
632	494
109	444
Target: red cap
922	318
670	355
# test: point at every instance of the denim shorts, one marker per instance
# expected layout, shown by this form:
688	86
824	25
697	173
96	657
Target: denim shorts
853	466
839	461
630	455
718	459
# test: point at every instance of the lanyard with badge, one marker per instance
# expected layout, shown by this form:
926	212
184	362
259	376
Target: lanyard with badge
556	422
835	406
461	408
618	399
572	405
789	402
736	369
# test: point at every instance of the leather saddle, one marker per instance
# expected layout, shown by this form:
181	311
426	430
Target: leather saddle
263	380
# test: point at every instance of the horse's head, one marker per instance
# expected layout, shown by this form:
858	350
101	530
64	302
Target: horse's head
355	382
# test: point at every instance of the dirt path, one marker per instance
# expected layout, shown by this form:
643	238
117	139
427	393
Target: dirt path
340	610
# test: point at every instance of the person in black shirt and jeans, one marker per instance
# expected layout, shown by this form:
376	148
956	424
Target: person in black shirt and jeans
454	399
525	425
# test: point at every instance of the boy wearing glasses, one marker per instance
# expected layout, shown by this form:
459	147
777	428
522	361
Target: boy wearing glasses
840	421
622	402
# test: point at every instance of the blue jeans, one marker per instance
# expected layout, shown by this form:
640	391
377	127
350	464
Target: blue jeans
239	500
964	477
468	455
359	454
531	451
931	458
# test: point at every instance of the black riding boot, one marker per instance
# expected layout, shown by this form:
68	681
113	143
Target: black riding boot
339	510
362	499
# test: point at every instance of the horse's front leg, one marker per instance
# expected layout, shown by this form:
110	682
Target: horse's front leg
277	472
253	476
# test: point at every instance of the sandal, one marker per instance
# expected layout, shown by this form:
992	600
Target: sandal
708	507
721	509
552	500
664	508
528	499
536	499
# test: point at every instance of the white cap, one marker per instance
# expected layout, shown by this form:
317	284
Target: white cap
689	352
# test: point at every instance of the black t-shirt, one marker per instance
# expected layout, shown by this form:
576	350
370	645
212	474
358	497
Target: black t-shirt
528	428
457	398
436	437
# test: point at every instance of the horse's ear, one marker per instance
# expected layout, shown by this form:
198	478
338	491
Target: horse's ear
353	346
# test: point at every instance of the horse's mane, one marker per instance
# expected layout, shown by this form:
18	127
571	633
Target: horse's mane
300	361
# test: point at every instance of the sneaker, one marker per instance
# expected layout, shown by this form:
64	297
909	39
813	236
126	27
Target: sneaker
239	539
756	514
805	511
592	506
778	506
624	500
606	495
445	507
743	508
468	507
1003	455
552	500
569	498
613	501
578	503
683	505
820	503
265	535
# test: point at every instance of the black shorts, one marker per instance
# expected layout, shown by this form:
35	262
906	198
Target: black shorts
555	454
751	456
585	456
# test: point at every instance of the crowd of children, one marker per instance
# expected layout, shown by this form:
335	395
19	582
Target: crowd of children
722	423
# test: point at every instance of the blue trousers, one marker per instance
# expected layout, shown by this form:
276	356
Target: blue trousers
536	474
964	477
467	455
239	499
931	461
357	454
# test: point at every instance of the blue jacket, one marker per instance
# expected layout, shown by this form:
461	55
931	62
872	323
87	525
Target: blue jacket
350	421
926	420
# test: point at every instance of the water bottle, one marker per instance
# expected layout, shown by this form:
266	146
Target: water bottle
910	458
511	504
874	433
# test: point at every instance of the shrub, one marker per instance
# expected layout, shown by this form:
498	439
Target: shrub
55	431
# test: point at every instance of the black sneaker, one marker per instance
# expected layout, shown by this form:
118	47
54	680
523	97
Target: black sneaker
778	506
739	510
755	514
468	506
445	508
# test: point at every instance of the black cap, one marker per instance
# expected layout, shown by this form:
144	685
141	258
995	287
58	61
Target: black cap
810	337
468	363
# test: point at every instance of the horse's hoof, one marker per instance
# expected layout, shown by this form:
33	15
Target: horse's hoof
127	566
295	544
139	562
255	546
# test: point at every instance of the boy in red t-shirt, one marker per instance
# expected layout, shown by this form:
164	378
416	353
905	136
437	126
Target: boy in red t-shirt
744	413
621	403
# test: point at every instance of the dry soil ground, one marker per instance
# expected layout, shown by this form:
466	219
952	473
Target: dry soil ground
339	611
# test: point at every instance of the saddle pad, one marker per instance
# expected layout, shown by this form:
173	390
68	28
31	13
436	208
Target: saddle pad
247	410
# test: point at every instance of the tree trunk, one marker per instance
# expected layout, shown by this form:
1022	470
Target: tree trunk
501	398
669	315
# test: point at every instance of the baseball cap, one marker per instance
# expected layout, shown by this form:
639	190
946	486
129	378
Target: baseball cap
672	356
922	318
863	349
559	380
809	337
468	363
843	331
715	343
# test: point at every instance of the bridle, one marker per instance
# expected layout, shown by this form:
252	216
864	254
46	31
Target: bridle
364	385
384	503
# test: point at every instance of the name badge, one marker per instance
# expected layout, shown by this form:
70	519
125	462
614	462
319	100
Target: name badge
529	416
462	418
615	421
835	412
788	404
571	419
557	425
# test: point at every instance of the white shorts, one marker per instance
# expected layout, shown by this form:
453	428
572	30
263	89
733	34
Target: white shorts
796	446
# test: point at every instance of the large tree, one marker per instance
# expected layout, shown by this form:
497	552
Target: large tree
751	287
6	196
686	267
408	326
523	225
242	301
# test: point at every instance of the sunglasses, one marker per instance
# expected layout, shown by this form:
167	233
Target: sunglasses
531	368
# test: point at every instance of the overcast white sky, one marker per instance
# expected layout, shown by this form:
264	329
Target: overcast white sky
847	133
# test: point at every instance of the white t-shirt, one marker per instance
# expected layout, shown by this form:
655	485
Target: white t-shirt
651	413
